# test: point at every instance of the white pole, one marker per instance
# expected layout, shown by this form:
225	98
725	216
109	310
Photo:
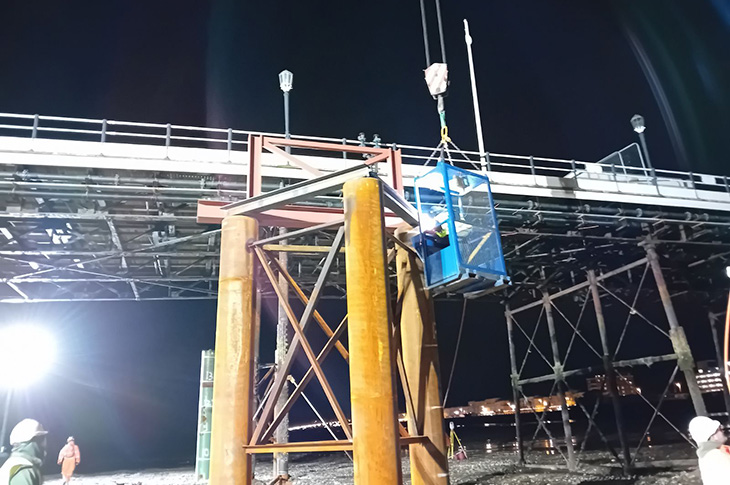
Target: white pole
477	116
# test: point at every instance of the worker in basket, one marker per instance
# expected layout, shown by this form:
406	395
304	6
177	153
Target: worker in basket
69	457
23	467
437	226
713	453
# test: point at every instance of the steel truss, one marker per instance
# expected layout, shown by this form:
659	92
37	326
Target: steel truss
407	316
270	268
547	332
79	234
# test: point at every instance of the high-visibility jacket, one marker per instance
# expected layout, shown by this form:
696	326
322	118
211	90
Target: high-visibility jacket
71	450
714	461
24	465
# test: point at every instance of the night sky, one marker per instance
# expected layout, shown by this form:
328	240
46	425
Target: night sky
556	79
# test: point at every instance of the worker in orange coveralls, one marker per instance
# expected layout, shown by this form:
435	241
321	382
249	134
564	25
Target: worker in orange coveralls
69	457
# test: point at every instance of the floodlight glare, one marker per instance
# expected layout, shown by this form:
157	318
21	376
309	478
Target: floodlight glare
637	121
27	352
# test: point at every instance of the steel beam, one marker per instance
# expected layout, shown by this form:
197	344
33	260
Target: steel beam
609	372
515	379
580	286
400	207
299	233
118	243
305	300
281	433
307	189
647	361
302	342
317	446
559	379
720	358
676	333
299	389
120	279
297	341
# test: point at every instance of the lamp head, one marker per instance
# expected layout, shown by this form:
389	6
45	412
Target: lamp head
637	121
286	80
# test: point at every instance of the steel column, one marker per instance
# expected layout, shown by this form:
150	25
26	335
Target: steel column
281	435
429	464
205	409
6	412
720	358
515	377
376	449
676	333
559	380
233	386
609	370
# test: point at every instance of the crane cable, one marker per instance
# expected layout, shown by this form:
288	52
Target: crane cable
726	371
445	139
456	352
425	34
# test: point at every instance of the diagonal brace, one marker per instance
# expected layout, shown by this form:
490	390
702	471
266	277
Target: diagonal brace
299	389
299	340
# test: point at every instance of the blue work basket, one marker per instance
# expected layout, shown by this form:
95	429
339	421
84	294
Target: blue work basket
458	238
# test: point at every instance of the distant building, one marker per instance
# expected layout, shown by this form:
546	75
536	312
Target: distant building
457	412
709	377
624	384
496	406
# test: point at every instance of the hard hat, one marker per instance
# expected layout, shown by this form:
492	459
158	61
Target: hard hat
70	438
702	428
26	430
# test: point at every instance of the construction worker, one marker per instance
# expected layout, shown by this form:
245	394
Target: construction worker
69	457
713	454
23	467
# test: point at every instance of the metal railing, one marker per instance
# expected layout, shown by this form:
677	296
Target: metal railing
232	140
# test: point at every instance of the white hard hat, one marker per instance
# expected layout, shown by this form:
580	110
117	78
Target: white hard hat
26	430
702	428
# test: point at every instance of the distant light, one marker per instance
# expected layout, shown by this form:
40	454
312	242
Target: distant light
27	352
727	271
637	121
286	80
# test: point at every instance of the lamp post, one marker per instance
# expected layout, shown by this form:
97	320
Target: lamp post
286	82
281	460
637	121
3	430
26	354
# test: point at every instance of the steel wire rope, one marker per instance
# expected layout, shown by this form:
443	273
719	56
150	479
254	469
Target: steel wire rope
727	338
456	351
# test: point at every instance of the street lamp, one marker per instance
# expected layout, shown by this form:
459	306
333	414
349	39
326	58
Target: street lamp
27	352
286	82
637	121
281	435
